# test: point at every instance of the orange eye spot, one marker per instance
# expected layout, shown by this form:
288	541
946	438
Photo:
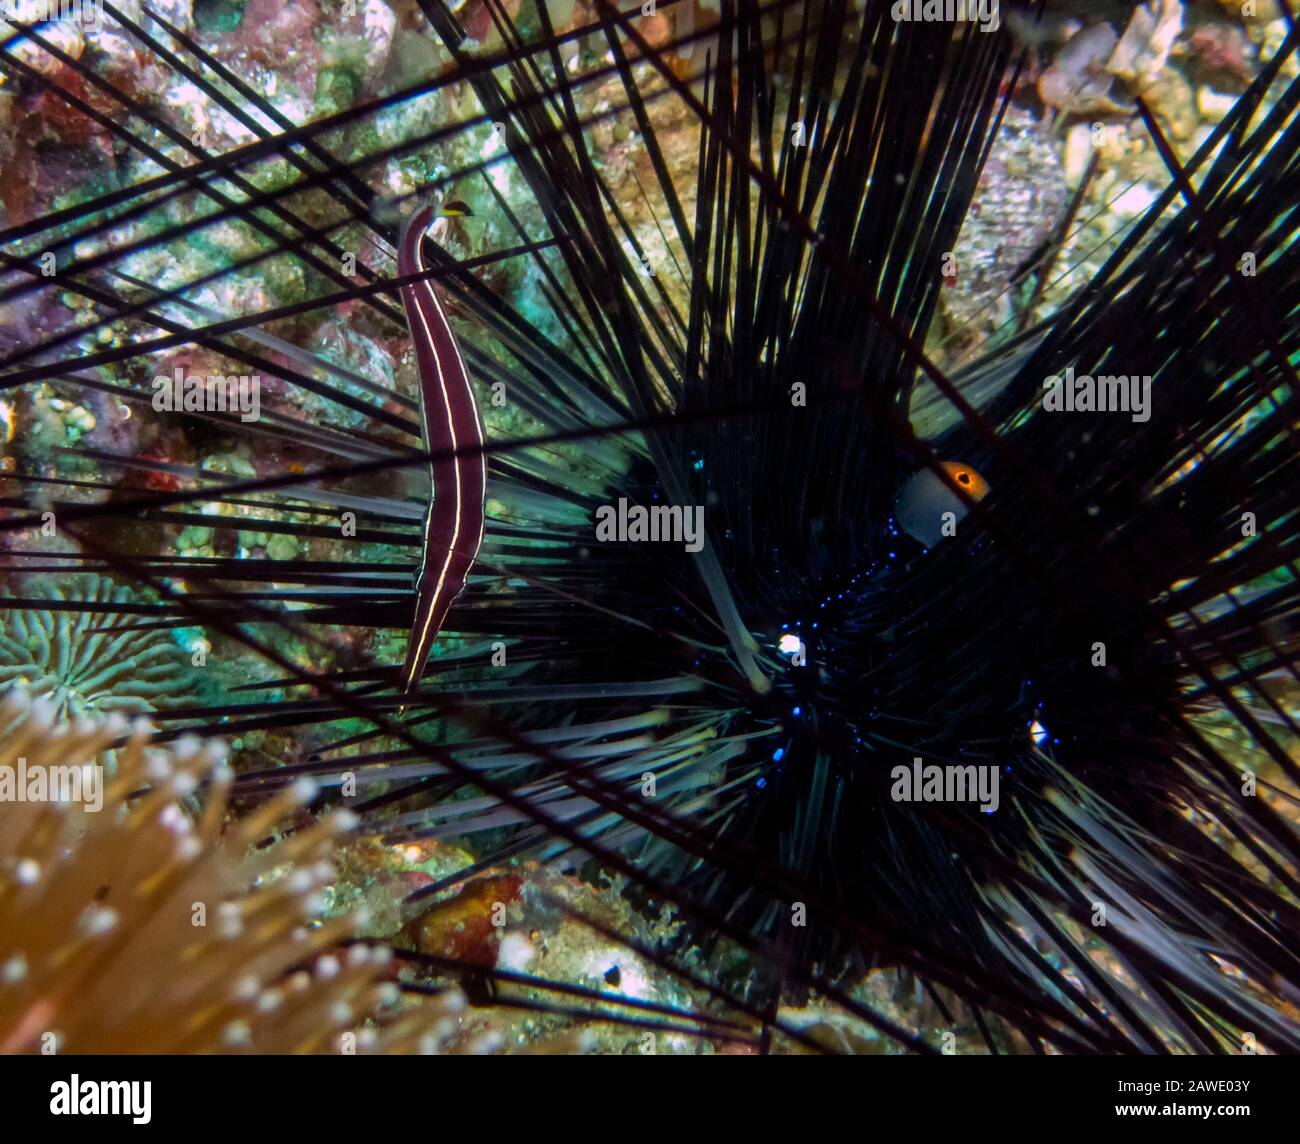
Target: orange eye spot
970	481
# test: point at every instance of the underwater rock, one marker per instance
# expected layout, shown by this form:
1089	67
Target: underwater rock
65	35
1021	196
1263	11
1222	55
281	37
1143	50
115	429
1212	105
469	926
1173	102
362	39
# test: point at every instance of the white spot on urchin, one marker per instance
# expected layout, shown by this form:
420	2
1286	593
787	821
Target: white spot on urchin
299	982
269	1001
790	644
157	765
98	920
230	922
14	970
27	872
237	1034
344	821
303	790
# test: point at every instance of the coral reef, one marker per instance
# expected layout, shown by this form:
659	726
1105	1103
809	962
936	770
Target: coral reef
92	661
652	273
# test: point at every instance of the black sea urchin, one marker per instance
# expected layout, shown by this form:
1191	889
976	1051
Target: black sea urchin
700	304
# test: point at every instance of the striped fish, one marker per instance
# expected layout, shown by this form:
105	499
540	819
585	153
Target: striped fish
453	528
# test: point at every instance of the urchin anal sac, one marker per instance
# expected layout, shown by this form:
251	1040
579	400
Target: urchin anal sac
924	500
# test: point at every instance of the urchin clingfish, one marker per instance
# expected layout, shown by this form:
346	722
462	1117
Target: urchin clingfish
453	435
926	505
